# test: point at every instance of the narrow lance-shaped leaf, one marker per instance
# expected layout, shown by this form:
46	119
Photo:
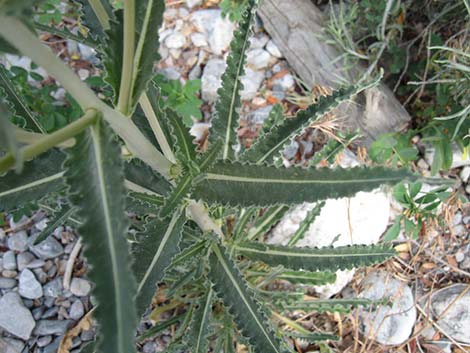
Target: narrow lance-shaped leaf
313	259
185	148
230	286
38	178
301	277
16	105
225	120
305	224
148	20
66	34
269	218
330	305
236	184
94	174
153	253
275	117
199	328
59	219
263	150
93	14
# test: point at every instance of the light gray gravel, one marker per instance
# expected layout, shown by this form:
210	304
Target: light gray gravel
15	317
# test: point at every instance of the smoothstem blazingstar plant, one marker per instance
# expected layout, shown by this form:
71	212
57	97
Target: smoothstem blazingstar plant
161	218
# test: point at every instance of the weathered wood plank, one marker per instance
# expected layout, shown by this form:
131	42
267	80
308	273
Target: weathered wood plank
296	27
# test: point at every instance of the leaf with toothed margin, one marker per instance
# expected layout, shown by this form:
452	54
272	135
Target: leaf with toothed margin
39	177
237	184
275	117
149	19
95	176
184	147
311	278
199	328
264	223
89	19
66	34
316	259
141	178
305	224
264	149
225	119
59	219
185	183
330	305
153	252
231	287
16	105
113	53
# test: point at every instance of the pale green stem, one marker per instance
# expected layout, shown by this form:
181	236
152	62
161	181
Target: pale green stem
125	89
49	141
199	214
15	32
100	13
156	128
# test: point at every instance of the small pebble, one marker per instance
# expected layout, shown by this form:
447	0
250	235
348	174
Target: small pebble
18	241
50	312
54	288
77	310
80	287
9	260
44	341
29	287
7	283
51	327
24	259
9	274
460	256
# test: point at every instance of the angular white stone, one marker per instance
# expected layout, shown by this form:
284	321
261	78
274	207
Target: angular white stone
251	81
211	79
361	219
388	324
258	59
15	317
175	40
273	49
29	287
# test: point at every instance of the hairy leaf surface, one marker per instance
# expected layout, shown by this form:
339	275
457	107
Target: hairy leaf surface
236	184
38	178
199	328
225	120
95	176
153	253
316	259
330	305
230	286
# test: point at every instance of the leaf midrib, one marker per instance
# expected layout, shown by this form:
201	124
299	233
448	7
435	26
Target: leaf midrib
306	254
109	233
32	184
242	295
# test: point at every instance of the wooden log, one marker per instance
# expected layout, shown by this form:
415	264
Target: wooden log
296	26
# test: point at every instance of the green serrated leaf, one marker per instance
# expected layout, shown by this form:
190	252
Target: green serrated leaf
148	20
17	106
236	184
153	252
230	286
199	328
301	277
141	178
316	259
66	34
39	177
269	218
225	120
95	176
59	219
305	224
185	148
93	14
330	305
265	149
113	50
